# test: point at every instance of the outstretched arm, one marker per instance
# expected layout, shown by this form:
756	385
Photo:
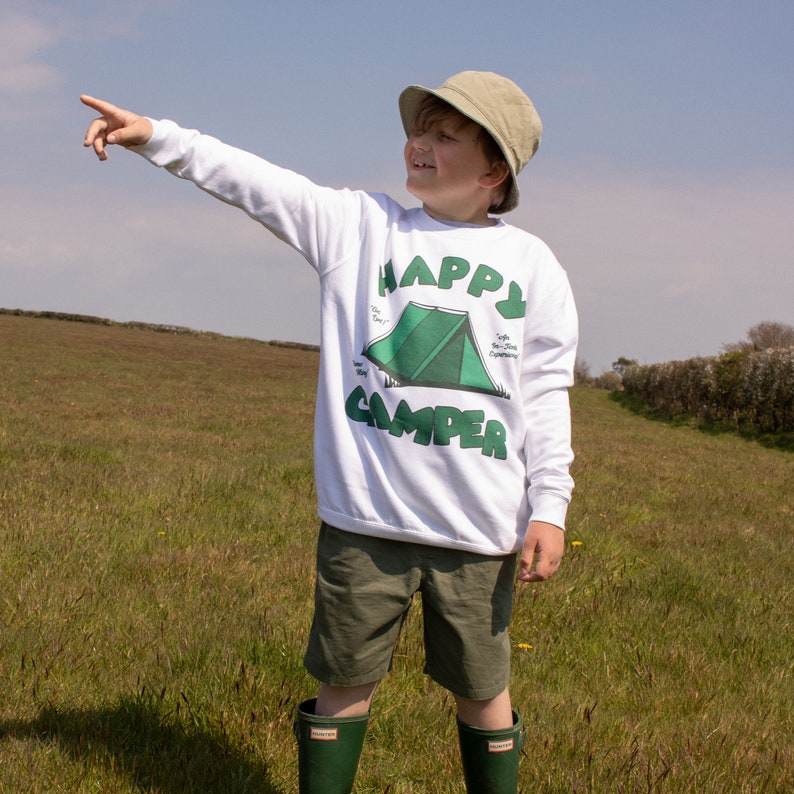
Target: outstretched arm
547	541
114	126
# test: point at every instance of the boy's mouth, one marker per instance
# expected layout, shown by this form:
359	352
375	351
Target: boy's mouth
417	164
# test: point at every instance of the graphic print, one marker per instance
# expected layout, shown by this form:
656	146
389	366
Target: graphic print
431	346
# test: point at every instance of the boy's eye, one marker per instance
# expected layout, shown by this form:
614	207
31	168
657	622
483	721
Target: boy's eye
432	129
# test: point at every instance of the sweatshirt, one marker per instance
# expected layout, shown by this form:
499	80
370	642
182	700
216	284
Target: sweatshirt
442	412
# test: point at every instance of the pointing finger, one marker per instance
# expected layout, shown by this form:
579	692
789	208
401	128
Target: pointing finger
105	108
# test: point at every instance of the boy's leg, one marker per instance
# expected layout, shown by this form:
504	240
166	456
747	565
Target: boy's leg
344	701
363	589
467	601
490	744
493	714
329	748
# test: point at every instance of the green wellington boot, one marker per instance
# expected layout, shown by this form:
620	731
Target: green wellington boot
490	758
328	750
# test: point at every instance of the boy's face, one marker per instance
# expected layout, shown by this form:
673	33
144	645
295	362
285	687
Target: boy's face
448	170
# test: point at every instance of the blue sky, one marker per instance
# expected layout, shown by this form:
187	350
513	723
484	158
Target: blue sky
664	184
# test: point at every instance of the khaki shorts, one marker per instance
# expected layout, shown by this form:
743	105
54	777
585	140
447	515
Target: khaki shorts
364	589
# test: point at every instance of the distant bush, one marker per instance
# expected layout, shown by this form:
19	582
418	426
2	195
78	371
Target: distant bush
609	381
581	373
763	336
750	390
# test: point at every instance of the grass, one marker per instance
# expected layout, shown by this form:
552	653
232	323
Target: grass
158	526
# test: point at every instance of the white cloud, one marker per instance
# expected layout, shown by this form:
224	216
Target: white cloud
23	40
169	256
31	69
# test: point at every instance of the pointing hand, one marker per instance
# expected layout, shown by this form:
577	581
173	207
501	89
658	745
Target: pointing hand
114	126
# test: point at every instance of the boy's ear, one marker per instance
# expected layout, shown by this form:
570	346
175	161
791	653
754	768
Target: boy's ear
497	174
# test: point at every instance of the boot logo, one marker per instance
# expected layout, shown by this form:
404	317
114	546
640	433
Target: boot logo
324	734
501	746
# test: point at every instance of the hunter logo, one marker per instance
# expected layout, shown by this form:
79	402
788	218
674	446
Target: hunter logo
502	746
323	734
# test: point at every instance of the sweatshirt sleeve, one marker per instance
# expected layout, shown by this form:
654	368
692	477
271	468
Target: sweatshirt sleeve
550	351
314	220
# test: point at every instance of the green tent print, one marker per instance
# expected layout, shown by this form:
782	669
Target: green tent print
436	347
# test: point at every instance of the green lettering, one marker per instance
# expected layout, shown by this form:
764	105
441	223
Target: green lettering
379	413
417	271
437	425
408	421
356	407
450	422
485	279
494	442
470	434
453	268
387	281
513	306
446	424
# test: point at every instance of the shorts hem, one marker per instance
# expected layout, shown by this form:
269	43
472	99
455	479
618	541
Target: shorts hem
470	693
319	672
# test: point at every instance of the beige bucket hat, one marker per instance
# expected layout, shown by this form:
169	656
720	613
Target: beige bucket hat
495	103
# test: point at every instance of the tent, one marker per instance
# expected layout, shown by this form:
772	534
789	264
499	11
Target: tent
430	346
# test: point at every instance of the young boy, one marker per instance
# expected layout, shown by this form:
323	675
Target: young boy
442	428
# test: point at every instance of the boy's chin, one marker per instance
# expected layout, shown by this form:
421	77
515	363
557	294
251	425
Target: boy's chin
413	190
422	197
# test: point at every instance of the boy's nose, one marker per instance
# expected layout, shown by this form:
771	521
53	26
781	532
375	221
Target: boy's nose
421	141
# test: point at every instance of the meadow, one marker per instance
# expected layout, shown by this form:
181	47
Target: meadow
158	525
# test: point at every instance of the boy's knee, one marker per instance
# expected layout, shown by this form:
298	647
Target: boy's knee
490	713
344	701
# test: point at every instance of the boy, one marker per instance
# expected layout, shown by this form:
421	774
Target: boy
442	428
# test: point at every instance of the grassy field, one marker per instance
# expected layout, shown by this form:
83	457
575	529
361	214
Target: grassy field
158	526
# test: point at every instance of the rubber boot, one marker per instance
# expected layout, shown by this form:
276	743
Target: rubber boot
328	750
490	758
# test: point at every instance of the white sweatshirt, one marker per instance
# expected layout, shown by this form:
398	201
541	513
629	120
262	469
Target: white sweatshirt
442	410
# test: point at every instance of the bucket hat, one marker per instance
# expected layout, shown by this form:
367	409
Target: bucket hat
495	103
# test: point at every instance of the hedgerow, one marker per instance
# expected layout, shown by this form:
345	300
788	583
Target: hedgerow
752	390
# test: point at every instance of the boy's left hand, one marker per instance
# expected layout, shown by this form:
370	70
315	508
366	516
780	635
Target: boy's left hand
547	541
